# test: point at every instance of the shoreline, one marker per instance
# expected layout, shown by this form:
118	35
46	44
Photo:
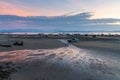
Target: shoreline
106	43
111	43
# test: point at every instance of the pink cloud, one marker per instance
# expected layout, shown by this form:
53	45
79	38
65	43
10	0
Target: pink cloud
20	10
7	8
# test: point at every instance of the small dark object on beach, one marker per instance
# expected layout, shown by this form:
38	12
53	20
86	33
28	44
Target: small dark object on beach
18	43
94	36
73	40
86	34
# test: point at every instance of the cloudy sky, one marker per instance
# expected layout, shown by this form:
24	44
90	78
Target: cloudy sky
60	15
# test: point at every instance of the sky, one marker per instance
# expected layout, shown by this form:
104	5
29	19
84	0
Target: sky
60	15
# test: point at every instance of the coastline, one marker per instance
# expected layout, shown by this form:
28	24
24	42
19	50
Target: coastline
105	42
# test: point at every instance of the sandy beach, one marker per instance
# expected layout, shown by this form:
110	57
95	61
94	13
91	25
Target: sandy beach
100	45
51	59
33	44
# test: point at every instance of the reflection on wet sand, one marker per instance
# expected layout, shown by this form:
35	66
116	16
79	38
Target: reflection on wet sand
66	63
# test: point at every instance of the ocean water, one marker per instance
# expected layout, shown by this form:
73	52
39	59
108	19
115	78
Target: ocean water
84	64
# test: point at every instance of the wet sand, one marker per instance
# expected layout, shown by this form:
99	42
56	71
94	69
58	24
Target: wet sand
66	63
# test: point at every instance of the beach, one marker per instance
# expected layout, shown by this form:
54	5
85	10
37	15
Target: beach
33	44
113	46
55	59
